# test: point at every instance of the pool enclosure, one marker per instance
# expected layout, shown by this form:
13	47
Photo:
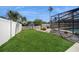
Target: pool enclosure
66	23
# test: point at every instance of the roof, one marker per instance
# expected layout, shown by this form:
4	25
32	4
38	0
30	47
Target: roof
73	10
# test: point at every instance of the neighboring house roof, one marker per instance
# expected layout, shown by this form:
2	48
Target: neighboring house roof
45	24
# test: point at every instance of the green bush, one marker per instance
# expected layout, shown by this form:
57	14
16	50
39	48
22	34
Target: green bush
66	32
48	27
43	28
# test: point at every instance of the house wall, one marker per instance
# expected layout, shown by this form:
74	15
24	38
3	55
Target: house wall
8	29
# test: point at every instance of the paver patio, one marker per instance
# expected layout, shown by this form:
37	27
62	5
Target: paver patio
74	48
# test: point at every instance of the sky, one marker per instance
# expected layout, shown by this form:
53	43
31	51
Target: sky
35	12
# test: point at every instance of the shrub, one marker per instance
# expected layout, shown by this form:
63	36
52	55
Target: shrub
48	27
66	32
43	28
76	33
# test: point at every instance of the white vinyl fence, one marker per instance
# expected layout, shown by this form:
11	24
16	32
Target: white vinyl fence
8	29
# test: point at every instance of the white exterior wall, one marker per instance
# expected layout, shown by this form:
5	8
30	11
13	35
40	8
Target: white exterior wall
5	30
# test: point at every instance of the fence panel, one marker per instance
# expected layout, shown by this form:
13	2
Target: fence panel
8	29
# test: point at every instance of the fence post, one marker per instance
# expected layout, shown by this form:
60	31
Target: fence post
59	24
72	15
10	28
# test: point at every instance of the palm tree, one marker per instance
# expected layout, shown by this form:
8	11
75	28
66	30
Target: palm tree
13	15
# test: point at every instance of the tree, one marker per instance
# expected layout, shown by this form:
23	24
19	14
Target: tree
44	22
38	22
29	22
23	20
13	15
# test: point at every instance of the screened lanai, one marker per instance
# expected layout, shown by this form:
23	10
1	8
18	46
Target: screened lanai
66	24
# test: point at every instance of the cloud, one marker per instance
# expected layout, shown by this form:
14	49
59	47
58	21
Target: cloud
28	12
19	7
25	13
63	9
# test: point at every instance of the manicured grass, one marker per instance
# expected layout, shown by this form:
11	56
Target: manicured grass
34	41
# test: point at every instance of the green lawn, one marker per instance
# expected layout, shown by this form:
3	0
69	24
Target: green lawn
34	41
